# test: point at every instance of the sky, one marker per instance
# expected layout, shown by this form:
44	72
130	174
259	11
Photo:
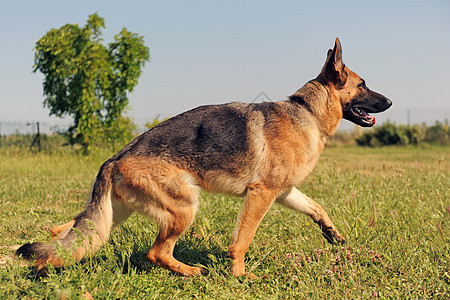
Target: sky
210	52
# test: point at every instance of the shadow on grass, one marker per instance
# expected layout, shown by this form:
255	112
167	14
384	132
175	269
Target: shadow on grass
184	251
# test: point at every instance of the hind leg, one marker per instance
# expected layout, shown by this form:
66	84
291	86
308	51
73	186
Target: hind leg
171	227
120	214
165	193
61	231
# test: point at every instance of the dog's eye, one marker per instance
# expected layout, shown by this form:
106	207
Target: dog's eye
362	84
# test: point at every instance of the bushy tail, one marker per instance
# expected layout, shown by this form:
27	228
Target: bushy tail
90	230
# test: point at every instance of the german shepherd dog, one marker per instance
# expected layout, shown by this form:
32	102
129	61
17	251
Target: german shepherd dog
259	150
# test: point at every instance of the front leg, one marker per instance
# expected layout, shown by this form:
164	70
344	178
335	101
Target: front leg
258	200
298	201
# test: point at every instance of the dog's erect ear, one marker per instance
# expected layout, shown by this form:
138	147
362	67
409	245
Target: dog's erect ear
333	70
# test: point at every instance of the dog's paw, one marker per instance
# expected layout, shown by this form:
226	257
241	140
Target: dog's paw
332	236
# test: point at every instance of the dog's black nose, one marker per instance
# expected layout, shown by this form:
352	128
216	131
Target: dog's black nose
388	103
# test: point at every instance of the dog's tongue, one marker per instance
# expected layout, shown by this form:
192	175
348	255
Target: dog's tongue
367	116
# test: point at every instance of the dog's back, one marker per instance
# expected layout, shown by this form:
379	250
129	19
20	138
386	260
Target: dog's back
237	141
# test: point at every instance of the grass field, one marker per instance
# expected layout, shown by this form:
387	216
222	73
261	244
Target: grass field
391	204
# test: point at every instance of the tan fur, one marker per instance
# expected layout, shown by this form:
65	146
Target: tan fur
61	231
283	141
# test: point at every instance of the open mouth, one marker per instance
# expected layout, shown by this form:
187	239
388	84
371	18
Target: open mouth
359	116
363	116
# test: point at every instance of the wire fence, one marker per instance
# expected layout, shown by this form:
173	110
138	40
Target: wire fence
30	127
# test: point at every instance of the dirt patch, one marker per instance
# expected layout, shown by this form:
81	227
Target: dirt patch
8	257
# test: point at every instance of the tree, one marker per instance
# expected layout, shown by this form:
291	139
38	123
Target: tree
88	81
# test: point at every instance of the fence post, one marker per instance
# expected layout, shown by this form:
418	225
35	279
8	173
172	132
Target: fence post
37	139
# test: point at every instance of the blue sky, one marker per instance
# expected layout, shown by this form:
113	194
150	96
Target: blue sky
206	52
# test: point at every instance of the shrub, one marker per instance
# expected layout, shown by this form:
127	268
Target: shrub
392	134
438	134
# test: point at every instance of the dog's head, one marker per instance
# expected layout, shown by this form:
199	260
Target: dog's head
356	99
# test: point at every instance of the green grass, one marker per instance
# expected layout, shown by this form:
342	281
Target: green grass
391	204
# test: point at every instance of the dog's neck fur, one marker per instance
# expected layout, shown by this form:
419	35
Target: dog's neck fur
319	100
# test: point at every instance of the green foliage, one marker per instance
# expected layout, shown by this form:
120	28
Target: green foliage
438	134
88	81
391	204
121	133
154	122
391	134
